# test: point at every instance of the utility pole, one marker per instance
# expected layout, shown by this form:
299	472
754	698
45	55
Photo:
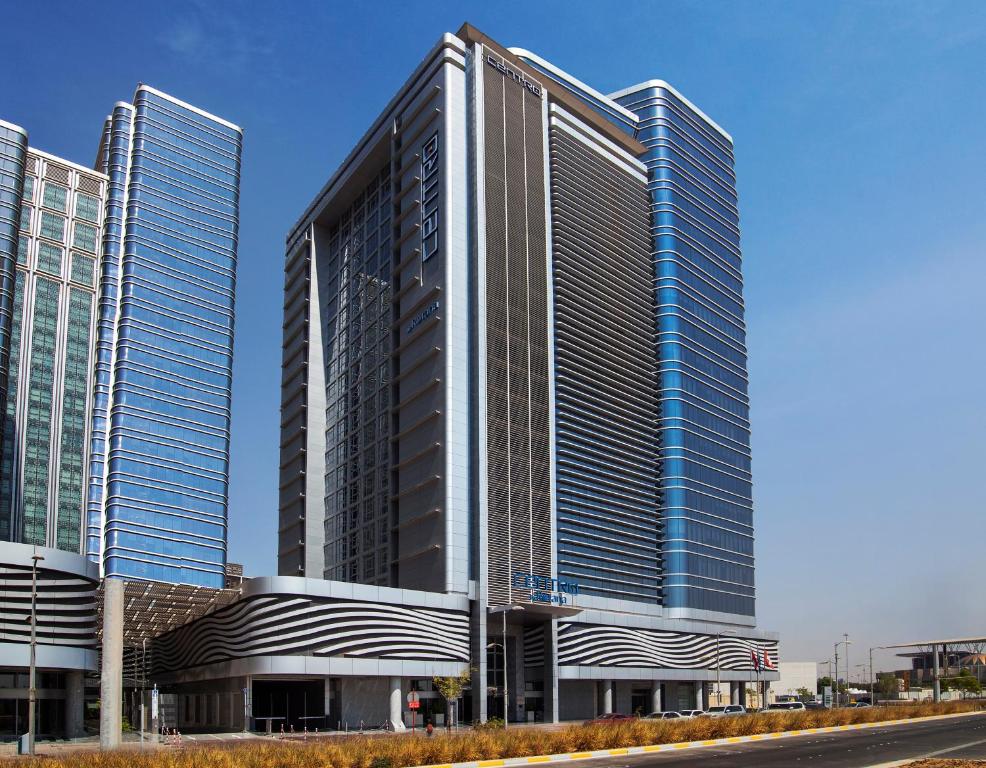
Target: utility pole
835	682
32	693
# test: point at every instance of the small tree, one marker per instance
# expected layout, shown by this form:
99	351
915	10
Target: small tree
451	689
805	694
887	685
967	683
823	682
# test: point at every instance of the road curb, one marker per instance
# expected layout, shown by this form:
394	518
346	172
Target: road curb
506	762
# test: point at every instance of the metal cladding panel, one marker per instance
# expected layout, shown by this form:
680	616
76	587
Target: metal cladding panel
598	646
66	601
292	625
609	525
421	256
518	443
294	410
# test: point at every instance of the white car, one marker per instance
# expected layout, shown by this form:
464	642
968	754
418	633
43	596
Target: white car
692	712
795	706
664	716
726	711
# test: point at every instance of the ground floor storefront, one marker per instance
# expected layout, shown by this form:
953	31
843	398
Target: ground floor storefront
303	654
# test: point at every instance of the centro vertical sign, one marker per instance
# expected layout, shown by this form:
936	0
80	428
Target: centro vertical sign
429	198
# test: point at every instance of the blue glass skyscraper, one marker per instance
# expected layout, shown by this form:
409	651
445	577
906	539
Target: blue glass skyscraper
701	345
159	455
706	563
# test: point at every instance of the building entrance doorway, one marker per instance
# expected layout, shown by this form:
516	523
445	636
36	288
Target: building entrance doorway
291	703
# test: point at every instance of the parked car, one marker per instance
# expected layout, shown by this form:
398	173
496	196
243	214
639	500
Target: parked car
859	704
815	705
726	711
692	712
797	706
664	715
612	717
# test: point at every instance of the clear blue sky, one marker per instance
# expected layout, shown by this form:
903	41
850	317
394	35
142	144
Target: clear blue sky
861	150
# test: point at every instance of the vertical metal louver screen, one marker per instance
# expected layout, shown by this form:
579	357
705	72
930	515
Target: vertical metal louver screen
518	450
606	405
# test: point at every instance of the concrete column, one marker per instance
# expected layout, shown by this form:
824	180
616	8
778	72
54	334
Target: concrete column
734	693
937	671
742	694
551	671
607	696
74	704
703	698
478	642
396	704
111	681
655	698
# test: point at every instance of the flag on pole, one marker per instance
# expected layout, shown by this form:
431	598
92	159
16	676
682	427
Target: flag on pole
756	660
767	663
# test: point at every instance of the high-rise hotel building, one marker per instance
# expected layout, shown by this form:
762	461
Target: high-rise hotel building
514	406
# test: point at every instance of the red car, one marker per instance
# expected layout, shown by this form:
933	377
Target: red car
612	717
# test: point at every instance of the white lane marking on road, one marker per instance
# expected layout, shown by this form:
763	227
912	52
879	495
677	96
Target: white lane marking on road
896	763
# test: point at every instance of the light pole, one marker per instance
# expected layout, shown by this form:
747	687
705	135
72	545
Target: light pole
872	677
32	693
845	642
502	610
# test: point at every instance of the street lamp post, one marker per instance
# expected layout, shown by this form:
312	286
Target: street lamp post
32	693
502	610
845	642
872	686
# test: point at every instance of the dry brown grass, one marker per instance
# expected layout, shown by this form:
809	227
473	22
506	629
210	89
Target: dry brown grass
947	764
411	750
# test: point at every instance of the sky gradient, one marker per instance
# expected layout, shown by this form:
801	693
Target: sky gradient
860	154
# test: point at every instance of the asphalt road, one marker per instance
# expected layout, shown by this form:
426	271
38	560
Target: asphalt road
960	737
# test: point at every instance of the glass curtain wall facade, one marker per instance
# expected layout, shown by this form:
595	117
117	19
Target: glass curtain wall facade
46	435
698	285
13	153
159	475
358	342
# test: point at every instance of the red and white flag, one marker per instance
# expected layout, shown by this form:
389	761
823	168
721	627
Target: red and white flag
767	663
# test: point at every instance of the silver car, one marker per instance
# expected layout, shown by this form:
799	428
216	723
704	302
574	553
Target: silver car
726	711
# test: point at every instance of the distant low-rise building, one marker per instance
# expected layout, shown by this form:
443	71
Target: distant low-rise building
795	677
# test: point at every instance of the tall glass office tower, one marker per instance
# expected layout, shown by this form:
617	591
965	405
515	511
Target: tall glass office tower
157	496
13	154
116	327
701	333
45	435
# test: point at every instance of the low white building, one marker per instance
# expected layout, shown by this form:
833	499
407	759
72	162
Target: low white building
794	675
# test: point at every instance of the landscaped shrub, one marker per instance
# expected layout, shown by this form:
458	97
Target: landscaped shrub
400	751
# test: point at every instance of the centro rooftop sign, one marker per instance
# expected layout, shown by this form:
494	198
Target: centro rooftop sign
518	77
544	589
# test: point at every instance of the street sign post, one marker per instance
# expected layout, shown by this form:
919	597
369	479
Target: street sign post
827	695
413	703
